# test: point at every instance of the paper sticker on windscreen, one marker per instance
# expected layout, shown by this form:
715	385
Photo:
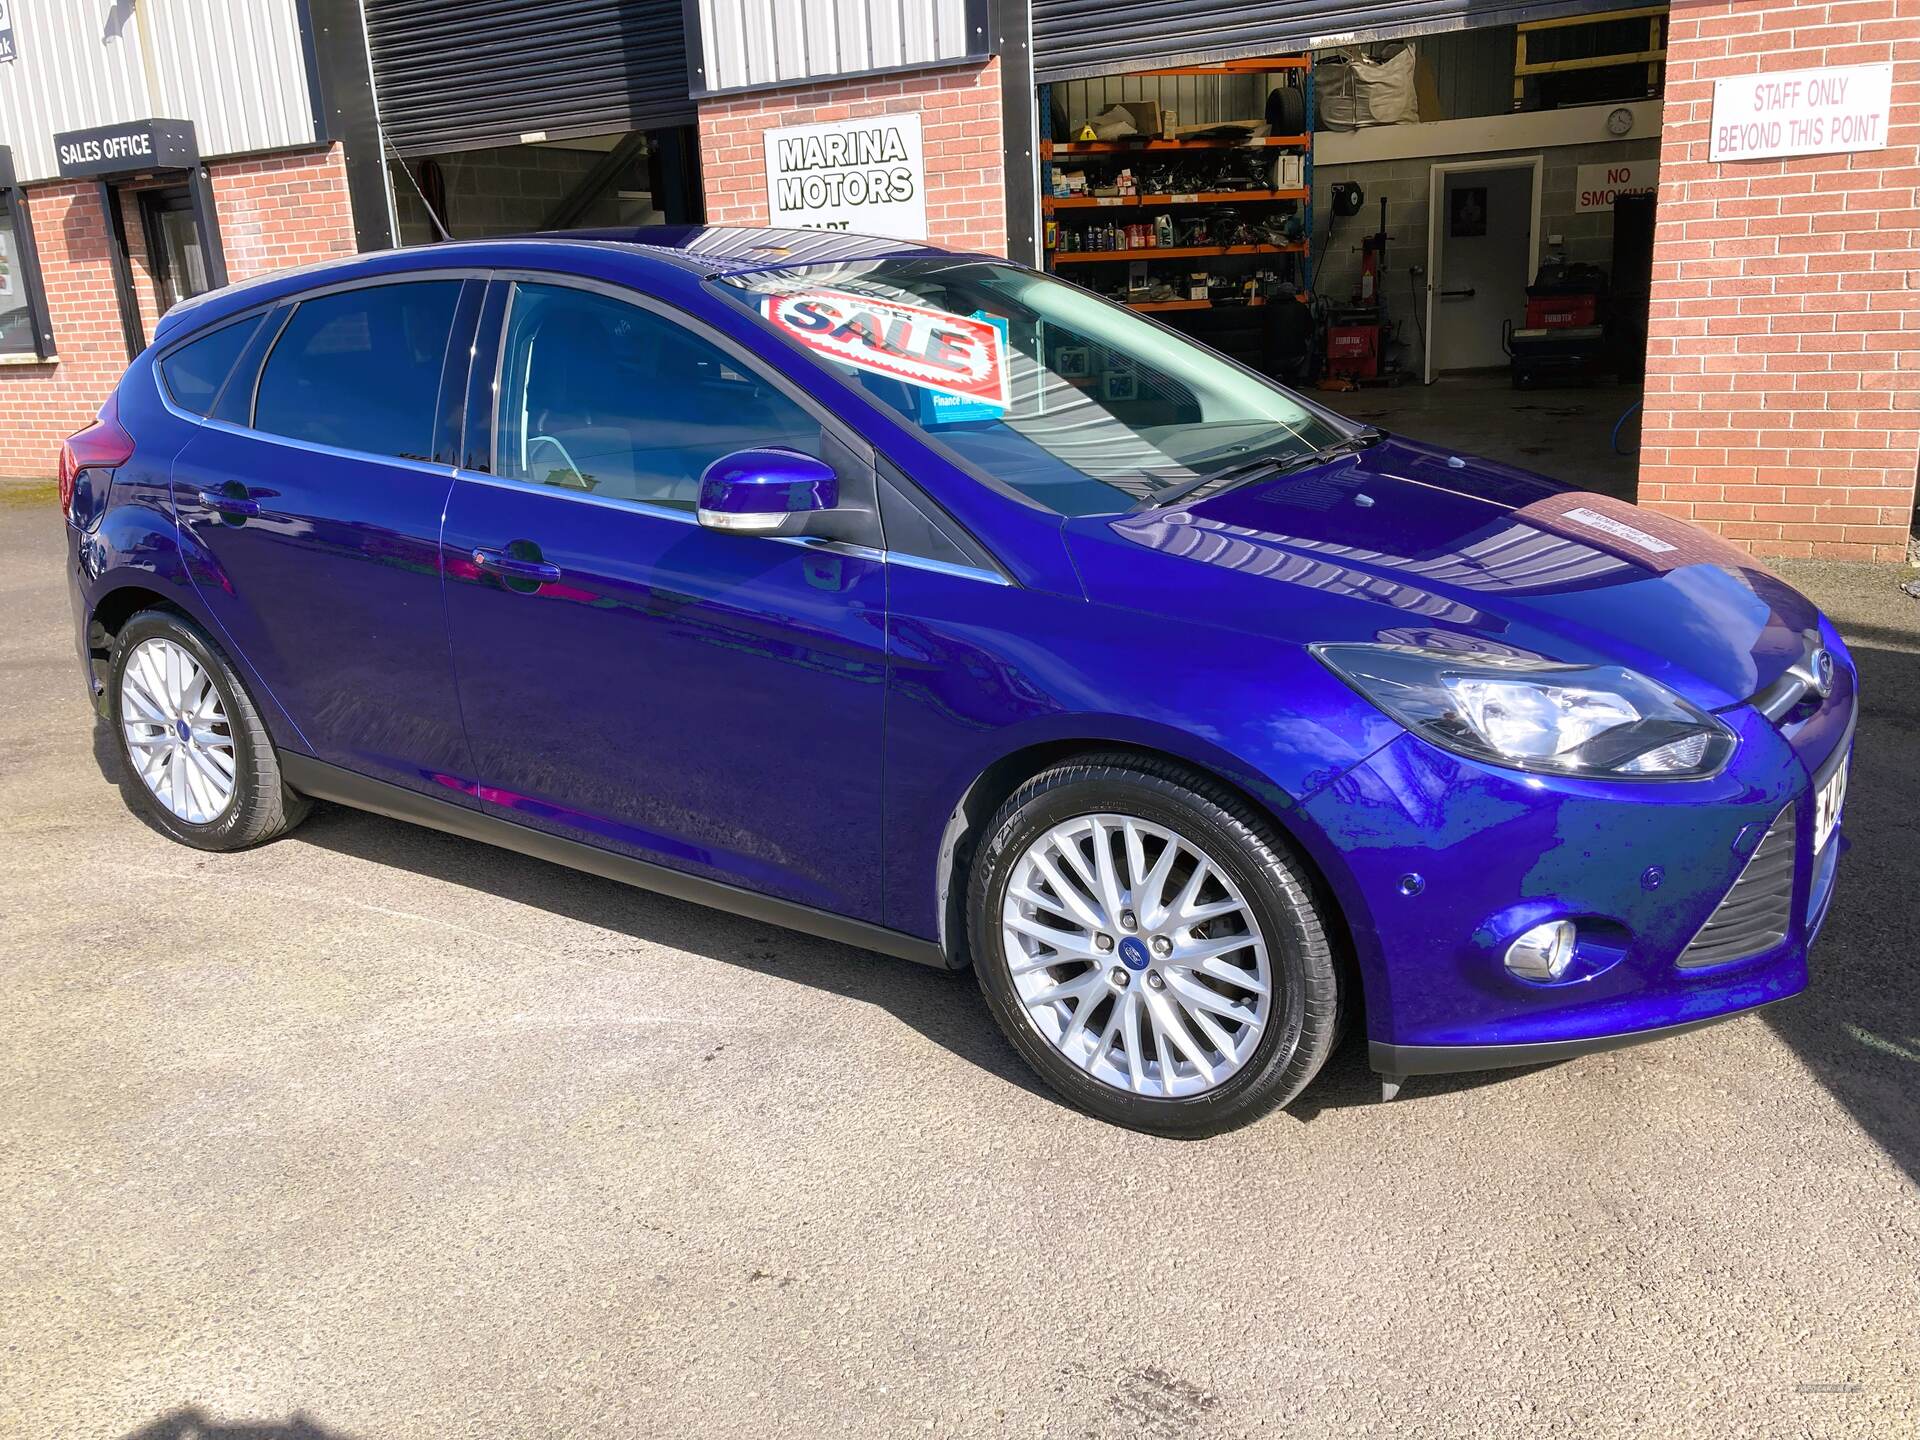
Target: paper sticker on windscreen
953	355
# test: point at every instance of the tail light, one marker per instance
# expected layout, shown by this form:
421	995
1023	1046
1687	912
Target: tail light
102	445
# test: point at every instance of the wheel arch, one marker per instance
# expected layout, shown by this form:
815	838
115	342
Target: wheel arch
119	595
109	611
992	786
117	606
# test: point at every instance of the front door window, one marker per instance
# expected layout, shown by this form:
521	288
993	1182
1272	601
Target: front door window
603	396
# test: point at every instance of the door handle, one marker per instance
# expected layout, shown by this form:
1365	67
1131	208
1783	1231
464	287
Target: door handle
499	562
1466	294
236	505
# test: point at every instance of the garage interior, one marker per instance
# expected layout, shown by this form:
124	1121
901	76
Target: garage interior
1448	233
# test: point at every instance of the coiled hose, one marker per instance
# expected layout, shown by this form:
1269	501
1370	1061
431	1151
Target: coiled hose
1614	442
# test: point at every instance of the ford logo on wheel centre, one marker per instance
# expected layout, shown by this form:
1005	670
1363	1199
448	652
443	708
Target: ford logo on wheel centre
1134	952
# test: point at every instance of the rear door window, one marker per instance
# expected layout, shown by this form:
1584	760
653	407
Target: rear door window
360	369
195	371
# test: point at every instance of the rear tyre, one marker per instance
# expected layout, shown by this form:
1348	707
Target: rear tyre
200	763
1151	946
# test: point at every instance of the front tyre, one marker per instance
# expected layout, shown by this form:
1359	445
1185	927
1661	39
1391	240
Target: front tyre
202	766
1151	947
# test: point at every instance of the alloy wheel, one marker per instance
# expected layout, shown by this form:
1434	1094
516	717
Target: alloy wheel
1135	956
177	731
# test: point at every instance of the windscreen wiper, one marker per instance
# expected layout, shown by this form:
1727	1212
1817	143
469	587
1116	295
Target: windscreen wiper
1219	481
1362	439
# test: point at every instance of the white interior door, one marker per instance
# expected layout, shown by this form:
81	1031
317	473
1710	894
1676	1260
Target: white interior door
1483	248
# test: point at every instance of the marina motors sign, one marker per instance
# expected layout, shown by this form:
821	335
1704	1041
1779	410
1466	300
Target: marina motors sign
867	176
1801	112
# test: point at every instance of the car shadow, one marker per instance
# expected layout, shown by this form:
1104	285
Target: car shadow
189	1423
943	1006
1857	1027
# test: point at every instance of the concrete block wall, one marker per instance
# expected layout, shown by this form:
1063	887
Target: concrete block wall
960	128
1588	234
275	211
1783	372
1407	186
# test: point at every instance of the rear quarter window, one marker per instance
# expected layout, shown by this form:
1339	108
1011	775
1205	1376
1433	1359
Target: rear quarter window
194	372
360	369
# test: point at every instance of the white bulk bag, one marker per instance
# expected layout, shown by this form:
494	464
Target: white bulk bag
1355	91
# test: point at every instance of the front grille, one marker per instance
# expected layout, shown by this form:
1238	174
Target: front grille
1756	913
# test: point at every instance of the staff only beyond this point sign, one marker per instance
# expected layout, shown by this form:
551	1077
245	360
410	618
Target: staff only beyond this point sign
1801	112
867	176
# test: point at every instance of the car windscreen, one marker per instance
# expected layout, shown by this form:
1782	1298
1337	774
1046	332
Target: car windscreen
1033	383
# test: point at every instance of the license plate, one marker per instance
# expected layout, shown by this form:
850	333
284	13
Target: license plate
1826	806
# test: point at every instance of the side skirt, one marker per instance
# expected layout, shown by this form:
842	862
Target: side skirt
329	782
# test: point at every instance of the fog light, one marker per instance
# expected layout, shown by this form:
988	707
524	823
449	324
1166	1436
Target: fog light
1542	953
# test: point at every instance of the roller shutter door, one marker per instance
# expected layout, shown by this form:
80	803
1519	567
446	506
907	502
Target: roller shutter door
1073	38
486	72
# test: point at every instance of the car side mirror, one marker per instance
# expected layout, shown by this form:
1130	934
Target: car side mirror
766	492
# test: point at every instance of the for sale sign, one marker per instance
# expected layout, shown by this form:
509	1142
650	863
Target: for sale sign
867	176
954	355
1596	187
1801	112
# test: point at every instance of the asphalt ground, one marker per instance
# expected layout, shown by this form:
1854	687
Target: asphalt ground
373	1132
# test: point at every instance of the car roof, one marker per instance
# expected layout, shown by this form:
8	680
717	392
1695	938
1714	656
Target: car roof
668	256
738	250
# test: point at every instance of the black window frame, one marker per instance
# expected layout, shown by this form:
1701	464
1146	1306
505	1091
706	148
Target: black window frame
162	362
906	507
13	197
153	203
437	441
233	408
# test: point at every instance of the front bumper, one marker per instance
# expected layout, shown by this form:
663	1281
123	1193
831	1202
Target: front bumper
1439	862
1451	1059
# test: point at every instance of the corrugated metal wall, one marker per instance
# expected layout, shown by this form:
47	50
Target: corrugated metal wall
1073	38
770	42
1472	71
485	72
236	68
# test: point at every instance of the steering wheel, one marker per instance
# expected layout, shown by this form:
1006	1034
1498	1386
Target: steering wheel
580	480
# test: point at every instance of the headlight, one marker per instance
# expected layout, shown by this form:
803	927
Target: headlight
1600	721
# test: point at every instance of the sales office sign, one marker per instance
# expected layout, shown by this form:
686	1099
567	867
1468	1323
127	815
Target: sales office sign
1801	112
126	149
865	176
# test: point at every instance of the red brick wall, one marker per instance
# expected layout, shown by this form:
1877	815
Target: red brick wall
960	127
1783	366
275	211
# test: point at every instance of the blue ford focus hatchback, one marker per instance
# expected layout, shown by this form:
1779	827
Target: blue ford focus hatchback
928	603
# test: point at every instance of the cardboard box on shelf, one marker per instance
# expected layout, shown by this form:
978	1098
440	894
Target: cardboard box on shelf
1147	116
1255	125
